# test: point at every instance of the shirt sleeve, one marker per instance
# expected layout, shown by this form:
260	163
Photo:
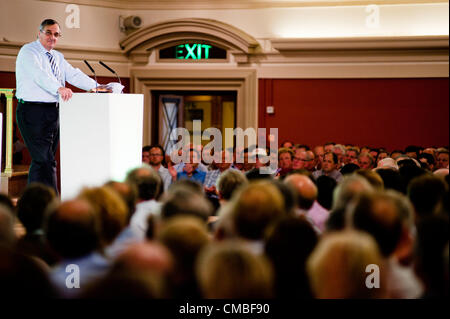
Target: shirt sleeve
33	65
76	77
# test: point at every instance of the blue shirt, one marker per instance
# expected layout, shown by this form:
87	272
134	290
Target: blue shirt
197	176
35	81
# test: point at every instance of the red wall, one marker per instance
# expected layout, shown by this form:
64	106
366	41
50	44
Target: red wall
391	113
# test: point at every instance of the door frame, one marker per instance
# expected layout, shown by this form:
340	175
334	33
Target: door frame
243	81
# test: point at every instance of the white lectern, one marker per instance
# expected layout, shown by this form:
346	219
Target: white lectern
100	139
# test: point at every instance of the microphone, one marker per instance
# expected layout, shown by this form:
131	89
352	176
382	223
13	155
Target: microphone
110	70
92	70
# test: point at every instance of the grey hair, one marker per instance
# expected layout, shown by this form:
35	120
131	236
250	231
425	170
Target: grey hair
47	22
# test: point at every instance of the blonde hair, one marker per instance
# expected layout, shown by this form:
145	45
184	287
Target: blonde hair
256	206
227	270
110	209
337	267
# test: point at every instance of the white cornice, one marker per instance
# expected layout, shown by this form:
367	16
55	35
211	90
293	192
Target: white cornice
362	43
230	4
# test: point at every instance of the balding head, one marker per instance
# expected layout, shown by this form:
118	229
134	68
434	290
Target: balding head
146	256
305	189
72	228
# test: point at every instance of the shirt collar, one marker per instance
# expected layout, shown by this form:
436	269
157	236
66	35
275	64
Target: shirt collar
41	47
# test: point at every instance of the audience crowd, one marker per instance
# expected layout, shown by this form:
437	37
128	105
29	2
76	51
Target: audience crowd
332	221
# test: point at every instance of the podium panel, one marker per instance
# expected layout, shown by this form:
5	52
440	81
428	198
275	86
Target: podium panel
100	139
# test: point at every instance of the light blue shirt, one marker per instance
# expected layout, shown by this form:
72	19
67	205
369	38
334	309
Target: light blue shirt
35	81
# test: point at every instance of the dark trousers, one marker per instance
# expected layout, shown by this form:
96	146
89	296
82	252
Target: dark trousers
39	126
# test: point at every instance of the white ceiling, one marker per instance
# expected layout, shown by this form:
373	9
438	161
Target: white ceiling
230	4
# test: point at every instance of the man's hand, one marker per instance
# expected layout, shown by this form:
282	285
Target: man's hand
65	93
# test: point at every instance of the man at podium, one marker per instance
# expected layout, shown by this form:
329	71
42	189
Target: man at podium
41	74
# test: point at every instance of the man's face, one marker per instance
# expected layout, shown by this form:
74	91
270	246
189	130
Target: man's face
412	154
49	36
339	154
328	148
310	163
156	156
381	156
442	160
328	165
297	162
285	161
352	157
364	162
374	154
146	157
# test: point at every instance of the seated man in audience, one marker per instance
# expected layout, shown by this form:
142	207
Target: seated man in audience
156	161
396	154
341	153
442	158
350	188
256	207
427	161
427	193
381	155
307	204
412	151
352	155
146	154
184	237
30	210
388	217
365	161
285	157
126	237
337	267
213	174
188	148
228	183
328	147
191	170
226	270
329	167
72	229
148	184
318	153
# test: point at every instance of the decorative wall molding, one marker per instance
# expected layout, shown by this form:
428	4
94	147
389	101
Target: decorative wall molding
376	57
230	4
362	43
167	33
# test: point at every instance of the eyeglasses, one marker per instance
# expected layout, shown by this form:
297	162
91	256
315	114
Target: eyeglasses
155	154
49	34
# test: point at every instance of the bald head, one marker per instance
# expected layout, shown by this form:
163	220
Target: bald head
305	189
72	228
75	211
147	256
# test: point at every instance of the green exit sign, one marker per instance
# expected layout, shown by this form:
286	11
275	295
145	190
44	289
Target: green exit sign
193	51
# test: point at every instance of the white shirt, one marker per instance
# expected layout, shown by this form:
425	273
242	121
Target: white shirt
138	222
165	176
35	81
